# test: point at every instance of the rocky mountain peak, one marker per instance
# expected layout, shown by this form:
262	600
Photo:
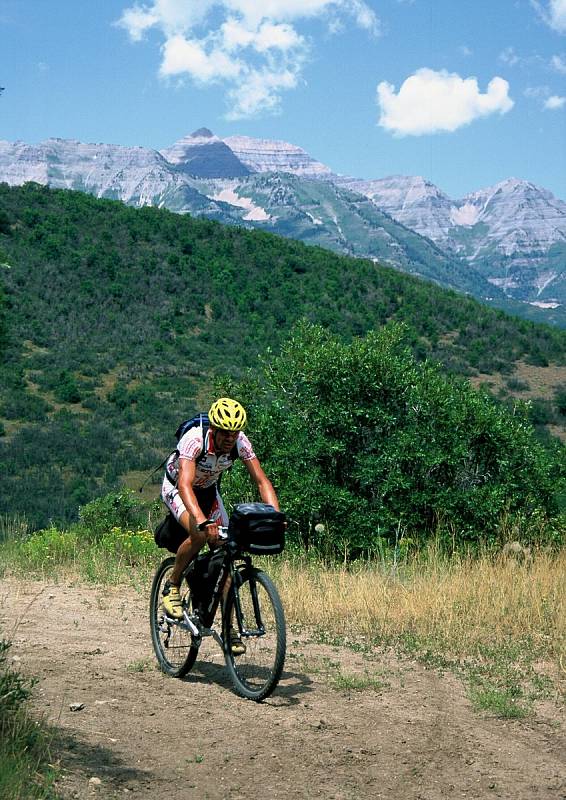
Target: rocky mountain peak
203	155
203	133
273	155
521	216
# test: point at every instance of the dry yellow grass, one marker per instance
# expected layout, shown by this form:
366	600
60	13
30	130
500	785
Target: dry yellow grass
464	605
491	615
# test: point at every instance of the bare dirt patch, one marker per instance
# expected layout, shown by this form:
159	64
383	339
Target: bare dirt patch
341	725
542	381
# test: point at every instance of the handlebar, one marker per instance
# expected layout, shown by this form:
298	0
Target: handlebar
222	529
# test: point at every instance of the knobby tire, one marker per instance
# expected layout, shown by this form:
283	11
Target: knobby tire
174	646
255	674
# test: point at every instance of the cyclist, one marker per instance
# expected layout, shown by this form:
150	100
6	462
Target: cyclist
190	486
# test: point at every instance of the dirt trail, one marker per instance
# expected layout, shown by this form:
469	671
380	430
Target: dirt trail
415	737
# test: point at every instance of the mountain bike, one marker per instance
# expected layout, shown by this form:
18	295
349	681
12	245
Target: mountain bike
251	612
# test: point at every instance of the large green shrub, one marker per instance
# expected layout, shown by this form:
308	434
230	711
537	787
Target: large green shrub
116	510
363	438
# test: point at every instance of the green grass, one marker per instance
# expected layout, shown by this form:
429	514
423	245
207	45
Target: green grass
141	665
25	771
117	556
332	674
503	703
358	683
500	680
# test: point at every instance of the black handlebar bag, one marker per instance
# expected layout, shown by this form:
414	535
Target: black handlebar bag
257	528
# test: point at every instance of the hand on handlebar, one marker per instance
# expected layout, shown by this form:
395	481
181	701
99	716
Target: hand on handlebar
212	533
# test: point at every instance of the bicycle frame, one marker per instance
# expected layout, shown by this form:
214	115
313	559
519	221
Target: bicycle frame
235	572
251	633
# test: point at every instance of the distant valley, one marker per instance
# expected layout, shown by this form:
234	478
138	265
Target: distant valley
505	245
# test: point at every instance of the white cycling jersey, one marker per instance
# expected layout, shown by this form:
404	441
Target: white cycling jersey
210	466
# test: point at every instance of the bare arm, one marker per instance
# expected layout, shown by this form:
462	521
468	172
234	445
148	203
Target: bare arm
187	471
264	485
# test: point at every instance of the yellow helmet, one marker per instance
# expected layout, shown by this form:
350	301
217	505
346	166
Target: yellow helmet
227	414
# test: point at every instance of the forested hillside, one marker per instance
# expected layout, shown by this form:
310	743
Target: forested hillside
115	322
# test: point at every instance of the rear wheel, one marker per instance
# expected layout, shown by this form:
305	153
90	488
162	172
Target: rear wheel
175	647
256	672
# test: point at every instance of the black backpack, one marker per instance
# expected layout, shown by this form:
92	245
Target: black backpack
170	534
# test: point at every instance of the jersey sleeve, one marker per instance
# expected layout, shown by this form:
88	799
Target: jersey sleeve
245	449
190	445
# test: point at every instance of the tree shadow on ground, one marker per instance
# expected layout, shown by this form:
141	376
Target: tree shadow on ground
82	758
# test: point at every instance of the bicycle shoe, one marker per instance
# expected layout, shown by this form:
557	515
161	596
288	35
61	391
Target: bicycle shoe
172	601
237	646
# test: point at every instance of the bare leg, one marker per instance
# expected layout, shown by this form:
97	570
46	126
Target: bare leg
189	549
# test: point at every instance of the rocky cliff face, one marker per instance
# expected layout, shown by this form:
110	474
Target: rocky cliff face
520	216
266	155
135	175
413	201
517	213
514	233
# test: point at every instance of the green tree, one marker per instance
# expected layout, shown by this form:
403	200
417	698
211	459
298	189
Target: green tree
362	437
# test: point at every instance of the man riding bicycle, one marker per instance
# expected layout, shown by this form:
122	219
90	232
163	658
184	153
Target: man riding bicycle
190	486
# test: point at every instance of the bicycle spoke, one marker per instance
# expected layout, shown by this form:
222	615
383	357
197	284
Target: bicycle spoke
175	647
256	672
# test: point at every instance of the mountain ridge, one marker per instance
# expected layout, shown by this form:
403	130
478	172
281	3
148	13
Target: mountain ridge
511	237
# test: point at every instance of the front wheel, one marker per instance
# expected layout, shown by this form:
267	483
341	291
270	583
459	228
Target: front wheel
176	649
254	612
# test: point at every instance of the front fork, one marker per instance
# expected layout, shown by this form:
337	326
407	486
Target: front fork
238	576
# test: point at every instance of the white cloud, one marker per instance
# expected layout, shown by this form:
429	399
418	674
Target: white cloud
509	57
137	21
182	55
558	63
277	37
554	102
261	90
365	17
549	101
557	14
537	92
430	102
266	37
253	47
172	16
253	11
553	12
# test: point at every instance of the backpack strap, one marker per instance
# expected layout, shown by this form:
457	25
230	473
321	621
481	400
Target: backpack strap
205	429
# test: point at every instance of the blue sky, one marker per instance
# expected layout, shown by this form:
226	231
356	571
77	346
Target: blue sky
464	93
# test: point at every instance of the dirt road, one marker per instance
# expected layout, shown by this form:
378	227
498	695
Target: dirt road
410	734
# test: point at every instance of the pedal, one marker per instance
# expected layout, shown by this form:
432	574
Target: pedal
188	623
